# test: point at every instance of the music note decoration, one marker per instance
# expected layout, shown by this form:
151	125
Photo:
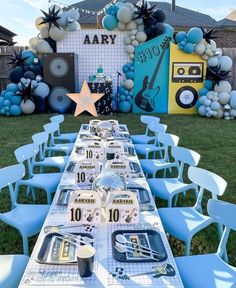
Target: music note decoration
104	105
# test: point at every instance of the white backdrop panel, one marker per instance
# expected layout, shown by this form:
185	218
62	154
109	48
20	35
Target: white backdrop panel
111	56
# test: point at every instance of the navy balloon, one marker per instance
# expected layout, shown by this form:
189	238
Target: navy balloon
29	75
159	15
15	74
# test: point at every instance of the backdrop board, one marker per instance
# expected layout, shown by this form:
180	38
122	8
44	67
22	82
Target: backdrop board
187	73
151	76
95	47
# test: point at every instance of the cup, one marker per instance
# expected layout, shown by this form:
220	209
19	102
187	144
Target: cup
85	260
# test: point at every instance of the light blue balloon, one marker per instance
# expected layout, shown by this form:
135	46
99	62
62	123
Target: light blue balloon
15	110
189	48
180	36
74	14
168	29
2	111
7	103
124	107
202	99
215	106
122	89
30	56
109	22
16	100
203	91
233	99
122	97
195	35
12	87
119	4
202	110
62	21
42	90
226	63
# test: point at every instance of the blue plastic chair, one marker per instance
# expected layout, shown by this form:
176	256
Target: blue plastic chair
26	218
151	166
12	269
52	148
145	138
210	270
59	162
48	182
146	149
168	188
67	137
184	222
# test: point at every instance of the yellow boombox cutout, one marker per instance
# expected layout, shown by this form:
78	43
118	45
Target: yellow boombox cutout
187	73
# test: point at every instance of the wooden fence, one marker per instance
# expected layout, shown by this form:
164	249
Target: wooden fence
6	51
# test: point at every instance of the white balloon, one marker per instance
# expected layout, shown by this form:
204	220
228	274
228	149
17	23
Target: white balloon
131	56
200	48
27	107
129	49
141	28
141	37
127	40
213	45
132	37
129	5
135	43
125	15
224	98
43	47
121	26
224	86
204	57
57	8
139	21
57	34
44	33
134	32
40	26
129	84
33	42
131	26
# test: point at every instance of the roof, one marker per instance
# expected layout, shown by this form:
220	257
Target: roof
7	32
226	23
182	17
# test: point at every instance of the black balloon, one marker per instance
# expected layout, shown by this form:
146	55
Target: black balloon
29	75
159	15
159	28
15	74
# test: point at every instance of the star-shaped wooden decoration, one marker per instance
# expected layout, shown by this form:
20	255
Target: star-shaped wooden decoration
85	100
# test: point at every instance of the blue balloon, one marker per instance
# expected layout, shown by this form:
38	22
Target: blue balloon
189	48
180	36
12	87
203	91
29	75
125	69
122	97
130	75
42	90
122	89
15	110
124	106
112	10
195	35
109	22
7	103
30	56
62	21
1	102
208	84
169	29
7	108
2	111
8	95
3	93
16	100
120	4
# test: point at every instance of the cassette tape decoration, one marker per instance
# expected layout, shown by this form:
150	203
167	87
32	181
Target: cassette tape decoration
114	150
122	207
187	74
85	207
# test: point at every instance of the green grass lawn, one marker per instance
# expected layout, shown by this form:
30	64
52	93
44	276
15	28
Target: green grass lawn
215	140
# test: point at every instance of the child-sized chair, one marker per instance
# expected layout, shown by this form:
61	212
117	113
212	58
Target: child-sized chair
210	270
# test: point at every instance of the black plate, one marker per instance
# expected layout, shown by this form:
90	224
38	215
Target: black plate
142	194
49	254
150	238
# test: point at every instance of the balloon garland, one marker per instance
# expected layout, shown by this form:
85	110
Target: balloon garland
141	22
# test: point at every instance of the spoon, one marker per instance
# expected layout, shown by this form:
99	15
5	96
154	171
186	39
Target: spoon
124	249
121	239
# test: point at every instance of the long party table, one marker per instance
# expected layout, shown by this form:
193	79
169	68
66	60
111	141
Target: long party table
108	272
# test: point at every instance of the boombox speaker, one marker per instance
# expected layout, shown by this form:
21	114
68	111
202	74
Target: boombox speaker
187	73
59	73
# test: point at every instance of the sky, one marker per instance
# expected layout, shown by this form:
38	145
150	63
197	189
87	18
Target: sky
19	15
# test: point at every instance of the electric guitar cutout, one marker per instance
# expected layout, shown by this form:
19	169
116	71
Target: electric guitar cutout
145	99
